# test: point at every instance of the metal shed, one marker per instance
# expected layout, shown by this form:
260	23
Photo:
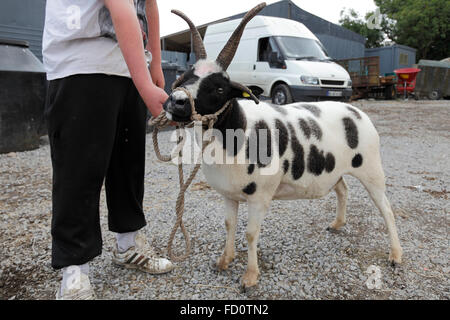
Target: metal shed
340	43
23	20
393	57
433	80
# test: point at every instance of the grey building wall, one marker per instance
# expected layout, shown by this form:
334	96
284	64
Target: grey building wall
23	20
341	49
179	58
393	57
340	43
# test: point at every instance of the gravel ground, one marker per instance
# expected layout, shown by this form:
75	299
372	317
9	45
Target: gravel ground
298	258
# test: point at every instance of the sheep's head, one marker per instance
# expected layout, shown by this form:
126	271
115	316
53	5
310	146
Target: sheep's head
207	81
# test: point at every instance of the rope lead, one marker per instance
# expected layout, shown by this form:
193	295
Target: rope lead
160	122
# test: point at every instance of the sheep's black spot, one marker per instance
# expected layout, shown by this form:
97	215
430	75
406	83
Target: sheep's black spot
355	112
351	132
283	137
285	166
279	109
330	162
316	161
311	108
315	129
250	188
251	168
298	162
261	153
191	80
207	101
305	128
231	121
357	161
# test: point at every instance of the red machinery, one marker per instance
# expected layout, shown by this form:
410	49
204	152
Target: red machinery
406	80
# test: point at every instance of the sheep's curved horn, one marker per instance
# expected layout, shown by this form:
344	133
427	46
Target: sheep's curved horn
227	54
199	48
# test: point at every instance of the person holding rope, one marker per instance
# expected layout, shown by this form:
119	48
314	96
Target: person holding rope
99	88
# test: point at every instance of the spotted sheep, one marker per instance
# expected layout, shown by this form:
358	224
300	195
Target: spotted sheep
317	144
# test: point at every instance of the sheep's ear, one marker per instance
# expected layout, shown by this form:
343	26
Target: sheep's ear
243	91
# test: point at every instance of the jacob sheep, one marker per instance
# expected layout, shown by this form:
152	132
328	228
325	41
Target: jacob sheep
317	144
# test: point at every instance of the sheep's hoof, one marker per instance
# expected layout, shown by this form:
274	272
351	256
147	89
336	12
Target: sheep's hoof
250	279
248	291
395	257
332	230
223	262
335	226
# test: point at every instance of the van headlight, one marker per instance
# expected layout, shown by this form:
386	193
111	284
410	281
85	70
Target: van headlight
309	80
349	83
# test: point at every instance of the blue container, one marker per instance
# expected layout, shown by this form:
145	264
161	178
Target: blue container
393	57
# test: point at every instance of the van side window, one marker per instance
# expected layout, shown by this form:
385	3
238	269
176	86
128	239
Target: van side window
268	51
265	47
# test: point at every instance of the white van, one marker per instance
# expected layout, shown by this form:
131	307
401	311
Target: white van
281	59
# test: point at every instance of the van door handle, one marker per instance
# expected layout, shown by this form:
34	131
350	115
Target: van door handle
254	67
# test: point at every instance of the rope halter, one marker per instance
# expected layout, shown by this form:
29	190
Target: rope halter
162	121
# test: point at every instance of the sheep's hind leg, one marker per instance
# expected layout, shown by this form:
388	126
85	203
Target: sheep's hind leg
231	211
342	193
374	182
256	213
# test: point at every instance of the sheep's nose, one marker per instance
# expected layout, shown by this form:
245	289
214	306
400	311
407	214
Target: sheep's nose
178	102
178	107
175	102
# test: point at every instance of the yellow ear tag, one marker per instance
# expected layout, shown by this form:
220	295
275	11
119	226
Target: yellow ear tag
245	95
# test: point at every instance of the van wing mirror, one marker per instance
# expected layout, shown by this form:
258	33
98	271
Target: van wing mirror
274	58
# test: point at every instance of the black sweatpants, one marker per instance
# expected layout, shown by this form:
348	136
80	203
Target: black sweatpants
96	126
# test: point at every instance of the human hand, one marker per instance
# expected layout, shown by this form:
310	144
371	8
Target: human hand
154	98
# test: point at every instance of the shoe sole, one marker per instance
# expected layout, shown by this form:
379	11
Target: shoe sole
135	267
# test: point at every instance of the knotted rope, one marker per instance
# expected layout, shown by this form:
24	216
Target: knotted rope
160	122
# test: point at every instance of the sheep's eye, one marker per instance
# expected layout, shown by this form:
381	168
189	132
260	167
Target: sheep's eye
219	90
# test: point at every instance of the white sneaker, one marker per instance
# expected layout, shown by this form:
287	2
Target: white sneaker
78	287
142	257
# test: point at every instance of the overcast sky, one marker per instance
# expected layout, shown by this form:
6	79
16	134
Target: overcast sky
204	11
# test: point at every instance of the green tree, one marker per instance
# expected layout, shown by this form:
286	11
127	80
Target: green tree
352	21
421	24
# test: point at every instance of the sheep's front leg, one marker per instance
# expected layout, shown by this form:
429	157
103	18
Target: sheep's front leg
341	190
231	211
256	213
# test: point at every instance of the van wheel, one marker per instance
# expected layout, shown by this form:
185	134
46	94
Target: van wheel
281	94
435	95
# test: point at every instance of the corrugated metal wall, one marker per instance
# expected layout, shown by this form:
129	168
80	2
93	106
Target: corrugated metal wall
179	58
391	57
23	20
339	48
340	43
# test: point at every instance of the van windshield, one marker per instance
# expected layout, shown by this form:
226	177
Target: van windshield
302	48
